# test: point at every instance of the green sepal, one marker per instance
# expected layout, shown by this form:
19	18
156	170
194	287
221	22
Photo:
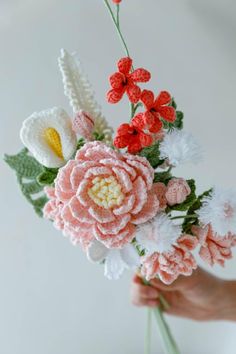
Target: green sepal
47	177
189	200
98	137
152	154
178	123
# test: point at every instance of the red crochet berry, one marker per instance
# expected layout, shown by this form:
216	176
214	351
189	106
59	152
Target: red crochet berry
134	139
123	81
117	1
155	109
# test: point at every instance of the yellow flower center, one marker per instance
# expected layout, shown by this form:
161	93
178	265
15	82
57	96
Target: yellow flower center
54	141
106	192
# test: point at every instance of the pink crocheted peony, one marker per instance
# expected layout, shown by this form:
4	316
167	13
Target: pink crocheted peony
168	266
214	248
102	194
177	191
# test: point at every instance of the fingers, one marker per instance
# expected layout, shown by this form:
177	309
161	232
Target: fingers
143	295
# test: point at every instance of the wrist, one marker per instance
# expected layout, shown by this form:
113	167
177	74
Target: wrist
228	311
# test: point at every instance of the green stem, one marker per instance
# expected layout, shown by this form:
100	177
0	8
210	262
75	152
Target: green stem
118	15
148	332
170	344
117	26
191	216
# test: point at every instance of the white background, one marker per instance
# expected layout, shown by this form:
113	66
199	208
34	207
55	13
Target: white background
52	300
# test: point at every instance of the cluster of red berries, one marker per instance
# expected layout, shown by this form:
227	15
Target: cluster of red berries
146	126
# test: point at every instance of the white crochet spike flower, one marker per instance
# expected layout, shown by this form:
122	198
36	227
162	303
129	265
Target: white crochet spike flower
219	210
49	137
80	94
116	260
158	235
180	147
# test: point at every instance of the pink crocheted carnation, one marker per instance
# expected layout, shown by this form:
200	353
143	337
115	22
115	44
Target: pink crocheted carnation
83	124
177	191
214	248
103	194
168	266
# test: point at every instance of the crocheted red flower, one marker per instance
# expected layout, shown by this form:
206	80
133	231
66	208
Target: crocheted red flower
125	81
155	109
116	1
134	139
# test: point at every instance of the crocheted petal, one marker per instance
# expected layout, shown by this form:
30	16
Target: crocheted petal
96	171
157	124
167	278
96	252
133	92
82	192
146	172
114	265
205	255
201	233
147	98
114	227
138	121
72	222
145	139
162	99
95	151
101	215
120	142
134	145
126	207
140	75
115	95
78	172
140	193
80	212
124	65
124	179
120	164
167	113
149	210
116	80
118	240
130	256
187	242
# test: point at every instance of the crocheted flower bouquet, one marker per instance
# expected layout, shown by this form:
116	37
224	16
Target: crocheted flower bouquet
118	197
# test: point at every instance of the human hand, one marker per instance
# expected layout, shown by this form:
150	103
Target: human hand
201	297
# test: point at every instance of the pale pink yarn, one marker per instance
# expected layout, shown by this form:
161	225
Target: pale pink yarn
83	124
214	248
177	191
81	217
168	266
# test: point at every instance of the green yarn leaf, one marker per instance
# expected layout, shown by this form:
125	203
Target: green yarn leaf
163	177
152	154
178	123
190	199
27	170
47	177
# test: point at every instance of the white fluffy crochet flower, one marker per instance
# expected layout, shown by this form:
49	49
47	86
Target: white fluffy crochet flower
179	147
158	235
116	260
219	210
49	137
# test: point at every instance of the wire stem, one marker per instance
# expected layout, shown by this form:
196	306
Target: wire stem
191	216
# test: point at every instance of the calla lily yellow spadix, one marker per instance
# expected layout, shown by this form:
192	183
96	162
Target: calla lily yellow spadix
49	137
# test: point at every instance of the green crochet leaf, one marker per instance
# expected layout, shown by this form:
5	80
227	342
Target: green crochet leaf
163	177
152	154
24	165
188	223
190	199
27	170
178	123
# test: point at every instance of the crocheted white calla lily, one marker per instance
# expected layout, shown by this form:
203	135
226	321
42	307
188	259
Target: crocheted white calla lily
49	137
116	260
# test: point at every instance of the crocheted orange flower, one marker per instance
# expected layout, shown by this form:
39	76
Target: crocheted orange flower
125	81
134	139
155	110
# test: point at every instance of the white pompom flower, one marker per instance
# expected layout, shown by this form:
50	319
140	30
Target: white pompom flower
219	210
158	234
116	260
49	136
180	147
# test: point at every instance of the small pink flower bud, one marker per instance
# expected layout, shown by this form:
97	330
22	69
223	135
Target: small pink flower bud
83	124
177	191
